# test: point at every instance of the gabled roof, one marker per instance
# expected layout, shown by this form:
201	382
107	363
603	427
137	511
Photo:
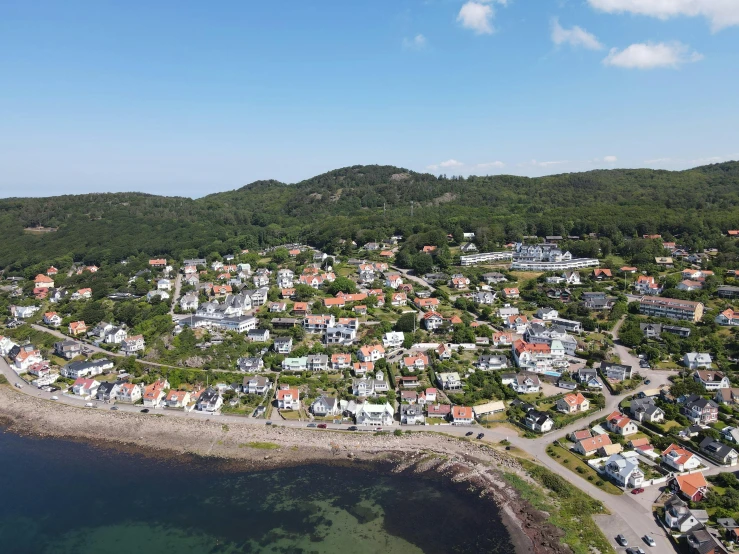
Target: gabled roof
691	483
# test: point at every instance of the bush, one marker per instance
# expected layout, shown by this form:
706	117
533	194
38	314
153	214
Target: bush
398	432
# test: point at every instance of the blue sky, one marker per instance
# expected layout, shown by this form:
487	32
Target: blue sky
188	98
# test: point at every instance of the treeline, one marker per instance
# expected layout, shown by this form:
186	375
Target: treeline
370	203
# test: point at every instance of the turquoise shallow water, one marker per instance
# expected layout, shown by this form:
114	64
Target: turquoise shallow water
62	497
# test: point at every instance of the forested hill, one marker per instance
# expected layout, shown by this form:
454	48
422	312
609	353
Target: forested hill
370	203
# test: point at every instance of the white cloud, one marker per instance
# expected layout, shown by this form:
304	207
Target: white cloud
477	16
490	165
650	56
463	168
688	163
418	42
721	13
610	159
546	164
577	36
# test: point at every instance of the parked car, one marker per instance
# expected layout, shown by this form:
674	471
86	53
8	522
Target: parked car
620	539
145	411
114	408
322	426
480	436
353	428
311	425
649	540
89	405
378	429
468	433
635	550
55	397
268	423
637	491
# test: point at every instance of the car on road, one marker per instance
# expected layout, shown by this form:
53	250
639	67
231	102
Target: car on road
311	425
635	550
480	436
322	426
649	540
54	389
353	428
55	397
620	539
145	411
637	491
18	385
268	423
114	408
468	433
89	405
378	429
647	382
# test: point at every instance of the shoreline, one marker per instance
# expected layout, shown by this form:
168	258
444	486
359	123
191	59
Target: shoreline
474	466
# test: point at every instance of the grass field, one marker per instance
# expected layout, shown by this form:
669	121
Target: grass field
567	459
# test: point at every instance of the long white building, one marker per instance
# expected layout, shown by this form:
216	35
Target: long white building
574	263
484	257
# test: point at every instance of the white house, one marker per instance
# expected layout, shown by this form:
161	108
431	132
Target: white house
132	345
85	387
288	399
374	414
711	380
189	301
524	384
129	393
680	459
325	406
6	345
371	353
695	360
393	339
624	471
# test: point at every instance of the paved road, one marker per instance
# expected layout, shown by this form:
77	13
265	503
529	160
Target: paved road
176	295
406	273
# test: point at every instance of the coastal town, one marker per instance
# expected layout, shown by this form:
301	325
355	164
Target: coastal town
615	373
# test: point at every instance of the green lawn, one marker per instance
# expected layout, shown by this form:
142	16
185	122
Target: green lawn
573	463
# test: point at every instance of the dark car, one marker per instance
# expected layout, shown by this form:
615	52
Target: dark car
321	426
647	382
480	436
620	539
145	411
114	408
468	433
637	491
268	423
311	425
353	428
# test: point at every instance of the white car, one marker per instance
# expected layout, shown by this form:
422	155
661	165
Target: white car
649	540
55	397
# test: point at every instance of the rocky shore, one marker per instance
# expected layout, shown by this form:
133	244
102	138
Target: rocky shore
475	466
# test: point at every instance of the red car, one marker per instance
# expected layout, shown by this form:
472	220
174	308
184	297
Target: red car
323	426
637	491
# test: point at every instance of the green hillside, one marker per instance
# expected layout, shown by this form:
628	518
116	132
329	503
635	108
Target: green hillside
371	202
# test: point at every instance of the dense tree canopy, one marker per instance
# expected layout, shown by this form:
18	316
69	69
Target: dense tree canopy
370	203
